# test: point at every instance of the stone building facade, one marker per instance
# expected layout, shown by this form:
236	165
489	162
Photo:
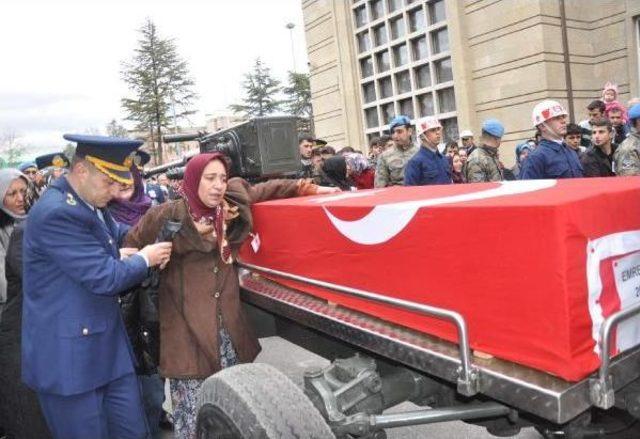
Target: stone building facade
464	61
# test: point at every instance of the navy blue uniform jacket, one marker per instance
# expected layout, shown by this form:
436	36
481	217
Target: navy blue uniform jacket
73	336
427	167
551	160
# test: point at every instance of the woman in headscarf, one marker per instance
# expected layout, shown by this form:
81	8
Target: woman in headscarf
522	152
457	176
360	171
19	408
202	325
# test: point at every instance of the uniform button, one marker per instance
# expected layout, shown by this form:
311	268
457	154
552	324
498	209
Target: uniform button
215	269
85	331
110	241
145	333
217	294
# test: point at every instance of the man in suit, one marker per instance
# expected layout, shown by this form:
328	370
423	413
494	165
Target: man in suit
75	351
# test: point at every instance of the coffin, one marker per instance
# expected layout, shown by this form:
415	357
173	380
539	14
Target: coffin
533	266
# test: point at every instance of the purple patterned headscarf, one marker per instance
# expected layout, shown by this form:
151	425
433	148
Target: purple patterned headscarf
130	211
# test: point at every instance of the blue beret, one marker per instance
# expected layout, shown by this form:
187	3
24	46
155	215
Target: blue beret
26	165
399	121
493	127
634	111
57	159
113	156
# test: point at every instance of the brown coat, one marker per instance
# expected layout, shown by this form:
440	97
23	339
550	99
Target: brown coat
197	288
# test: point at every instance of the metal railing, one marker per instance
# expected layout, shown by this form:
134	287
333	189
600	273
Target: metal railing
468	377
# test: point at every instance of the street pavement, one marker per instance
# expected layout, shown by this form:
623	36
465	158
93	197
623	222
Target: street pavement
292	360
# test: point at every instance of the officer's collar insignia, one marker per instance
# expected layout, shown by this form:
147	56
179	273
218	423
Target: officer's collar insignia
70	200
58	162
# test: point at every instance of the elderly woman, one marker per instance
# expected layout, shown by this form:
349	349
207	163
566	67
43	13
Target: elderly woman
13	192
19	408
202	325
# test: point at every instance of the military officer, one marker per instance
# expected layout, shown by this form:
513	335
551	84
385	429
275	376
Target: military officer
626	159
75	350
483	164
391	163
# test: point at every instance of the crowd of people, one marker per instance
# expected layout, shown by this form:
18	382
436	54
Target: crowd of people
110	283
604	144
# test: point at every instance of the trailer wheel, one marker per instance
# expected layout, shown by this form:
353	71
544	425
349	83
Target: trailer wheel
259	402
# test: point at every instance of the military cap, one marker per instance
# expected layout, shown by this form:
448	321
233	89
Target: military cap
399	121
26	165
56	159
113	156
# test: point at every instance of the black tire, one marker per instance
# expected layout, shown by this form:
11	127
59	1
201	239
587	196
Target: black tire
256	401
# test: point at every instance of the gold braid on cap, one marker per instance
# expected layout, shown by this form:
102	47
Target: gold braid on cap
106	168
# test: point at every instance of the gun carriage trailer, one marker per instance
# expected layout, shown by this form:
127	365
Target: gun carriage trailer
381	357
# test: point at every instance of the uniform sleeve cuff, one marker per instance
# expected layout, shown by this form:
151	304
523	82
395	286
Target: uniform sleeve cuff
146	260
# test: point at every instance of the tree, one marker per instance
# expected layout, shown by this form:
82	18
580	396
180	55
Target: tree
261	92
160	82
114	129
299	98
11	149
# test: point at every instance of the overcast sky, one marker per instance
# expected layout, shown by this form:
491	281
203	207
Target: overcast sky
61	60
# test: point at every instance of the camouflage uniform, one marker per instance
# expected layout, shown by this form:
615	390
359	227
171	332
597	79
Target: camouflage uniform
391	164
483	165
626	159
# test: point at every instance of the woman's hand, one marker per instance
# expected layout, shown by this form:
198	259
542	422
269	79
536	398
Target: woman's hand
323	190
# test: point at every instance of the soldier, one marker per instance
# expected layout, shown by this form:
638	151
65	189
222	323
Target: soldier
552	158
483	164
75	351
626	159
391	163
428	165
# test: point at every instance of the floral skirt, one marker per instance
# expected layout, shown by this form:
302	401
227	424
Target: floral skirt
184	392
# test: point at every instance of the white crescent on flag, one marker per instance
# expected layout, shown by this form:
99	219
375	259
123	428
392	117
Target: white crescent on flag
387	220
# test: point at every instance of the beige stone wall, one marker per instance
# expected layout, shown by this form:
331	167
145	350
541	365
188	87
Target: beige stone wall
507	55
334	83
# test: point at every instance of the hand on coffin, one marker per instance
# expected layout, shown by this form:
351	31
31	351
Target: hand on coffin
322	190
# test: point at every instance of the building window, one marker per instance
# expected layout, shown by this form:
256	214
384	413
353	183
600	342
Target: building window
380	35
423	76
366	67
361	16
384	87
364	42
369	92
425	102
446	100
394	5
377	9
449	129
397	28
403	82
388	112
371	115
443	70
416	20
437	12
400	55
382	61
440	41
419	48
410	69
406	107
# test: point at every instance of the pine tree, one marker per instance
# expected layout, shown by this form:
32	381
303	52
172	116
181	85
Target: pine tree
299	99
159	80
114	129
261	93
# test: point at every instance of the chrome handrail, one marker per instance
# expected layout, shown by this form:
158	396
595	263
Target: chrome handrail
468	378
601	388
